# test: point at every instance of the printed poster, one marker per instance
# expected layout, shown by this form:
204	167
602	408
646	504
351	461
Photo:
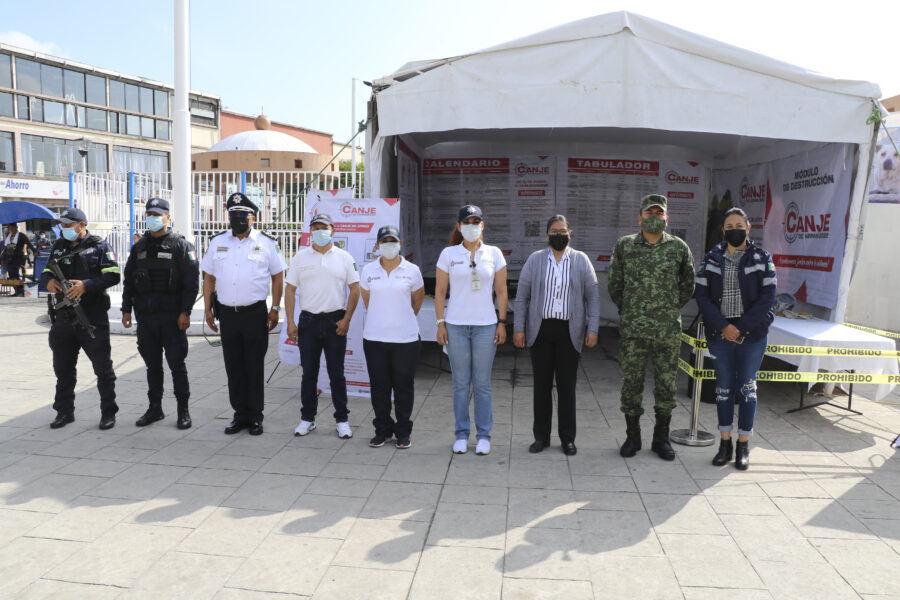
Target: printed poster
356	222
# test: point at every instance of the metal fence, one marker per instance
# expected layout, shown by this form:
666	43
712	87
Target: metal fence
114	202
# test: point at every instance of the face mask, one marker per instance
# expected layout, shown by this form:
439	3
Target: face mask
155	223
390	250
558	241
70	234
239	226
653	225
471	233
735	237
321	237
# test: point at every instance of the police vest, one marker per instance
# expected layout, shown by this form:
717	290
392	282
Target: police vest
156	268
10	251
74	265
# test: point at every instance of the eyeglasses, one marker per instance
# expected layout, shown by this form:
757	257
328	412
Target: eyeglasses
240	214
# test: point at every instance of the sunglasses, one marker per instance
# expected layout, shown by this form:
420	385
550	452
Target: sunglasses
240	214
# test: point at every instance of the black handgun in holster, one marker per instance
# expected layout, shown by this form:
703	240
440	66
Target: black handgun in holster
61	305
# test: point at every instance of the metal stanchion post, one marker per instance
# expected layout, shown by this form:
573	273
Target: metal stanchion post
693	436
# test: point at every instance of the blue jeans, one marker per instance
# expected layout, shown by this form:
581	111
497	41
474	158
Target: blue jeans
736	367
471	349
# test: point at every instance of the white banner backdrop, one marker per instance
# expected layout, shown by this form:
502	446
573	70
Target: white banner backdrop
356	222
805	223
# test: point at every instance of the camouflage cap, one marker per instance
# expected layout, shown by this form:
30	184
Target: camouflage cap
653	200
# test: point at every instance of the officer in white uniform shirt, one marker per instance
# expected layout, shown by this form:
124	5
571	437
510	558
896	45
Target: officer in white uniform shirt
393	291
323	274
237	269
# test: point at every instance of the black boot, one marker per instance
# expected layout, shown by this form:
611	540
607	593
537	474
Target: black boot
726	449
154	413
661	443
184	416
633	436
742	455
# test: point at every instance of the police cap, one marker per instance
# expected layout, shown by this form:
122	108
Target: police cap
388	231
158	206
322	218
467	211
71	215
238	201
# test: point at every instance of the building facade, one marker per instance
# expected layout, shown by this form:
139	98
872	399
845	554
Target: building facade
58	116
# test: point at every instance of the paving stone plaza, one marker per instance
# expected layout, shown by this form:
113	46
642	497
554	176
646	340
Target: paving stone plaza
160	513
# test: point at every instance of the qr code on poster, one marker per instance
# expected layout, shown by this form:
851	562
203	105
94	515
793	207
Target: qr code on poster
532	228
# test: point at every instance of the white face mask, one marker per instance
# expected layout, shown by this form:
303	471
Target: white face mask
471	233
390	250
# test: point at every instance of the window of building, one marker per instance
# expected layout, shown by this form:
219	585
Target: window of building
193	165
116	94
53	113
214	163
51	81
148	130
7	156
6	104
96	119
95	89
162	129
161	103
203	113
28	75
264	163
22	108
146	101
298	164
71	116
132	98
5	71
73	82
53	157
82	118
132	125
139	160
113	122
37	109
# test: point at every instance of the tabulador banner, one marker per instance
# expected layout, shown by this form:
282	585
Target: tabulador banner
356	223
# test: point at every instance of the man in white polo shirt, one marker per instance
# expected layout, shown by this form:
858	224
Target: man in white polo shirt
322	273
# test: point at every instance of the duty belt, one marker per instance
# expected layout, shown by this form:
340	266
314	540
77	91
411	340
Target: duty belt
329	316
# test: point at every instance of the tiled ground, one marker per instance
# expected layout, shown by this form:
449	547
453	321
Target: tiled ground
157	512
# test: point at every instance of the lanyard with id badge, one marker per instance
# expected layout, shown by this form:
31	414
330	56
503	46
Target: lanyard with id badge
476	276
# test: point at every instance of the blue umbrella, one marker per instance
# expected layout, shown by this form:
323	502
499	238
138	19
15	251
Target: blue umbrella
15	211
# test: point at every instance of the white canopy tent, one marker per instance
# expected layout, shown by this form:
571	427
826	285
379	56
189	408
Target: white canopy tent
620	82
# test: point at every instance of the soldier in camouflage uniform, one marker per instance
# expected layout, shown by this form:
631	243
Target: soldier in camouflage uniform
651	277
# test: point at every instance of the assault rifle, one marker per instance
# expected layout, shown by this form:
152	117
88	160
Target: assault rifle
59	301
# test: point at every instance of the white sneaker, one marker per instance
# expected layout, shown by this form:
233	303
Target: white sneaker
483	447
460	446
344	431
304	427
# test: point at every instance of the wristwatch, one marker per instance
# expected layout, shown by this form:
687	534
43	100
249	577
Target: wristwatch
277	308
503	321
439	321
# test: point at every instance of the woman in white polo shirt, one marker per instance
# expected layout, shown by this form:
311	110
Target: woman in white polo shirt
470	328
392	290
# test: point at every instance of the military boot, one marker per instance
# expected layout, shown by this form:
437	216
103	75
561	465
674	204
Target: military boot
661	443
154	413
633	436
184	416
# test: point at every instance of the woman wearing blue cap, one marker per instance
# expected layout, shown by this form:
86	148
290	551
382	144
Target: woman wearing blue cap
470	327
392	290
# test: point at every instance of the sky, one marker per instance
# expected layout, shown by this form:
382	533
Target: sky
296	59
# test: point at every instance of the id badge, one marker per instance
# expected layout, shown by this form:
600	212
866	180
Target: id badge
476	281
557	305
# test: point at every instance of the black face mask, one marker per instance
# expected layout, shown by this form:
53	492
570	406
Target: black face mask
559	241
239	226
735	237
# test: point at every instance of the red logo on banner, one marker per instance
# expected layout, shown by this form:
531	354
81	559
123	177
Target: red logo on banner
456	166
798	225
349	210
353	227
685	195
675	177
809	263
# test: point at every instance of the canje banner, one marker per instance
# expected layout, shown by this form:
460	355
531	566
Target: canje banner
356	222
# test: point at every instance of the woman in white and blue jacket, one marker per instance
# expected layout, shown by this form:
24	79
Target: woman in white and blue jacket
735	290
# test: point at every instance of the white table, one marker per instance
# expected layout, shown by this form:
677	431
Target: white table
816	332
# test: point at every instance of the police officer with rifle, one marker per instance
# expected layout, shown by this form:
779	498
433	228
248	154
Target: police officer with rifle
80	269
161	281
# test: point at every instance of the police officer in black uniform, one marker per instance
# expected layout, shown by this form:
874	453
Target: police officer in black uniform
14	255
161	280
89	264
